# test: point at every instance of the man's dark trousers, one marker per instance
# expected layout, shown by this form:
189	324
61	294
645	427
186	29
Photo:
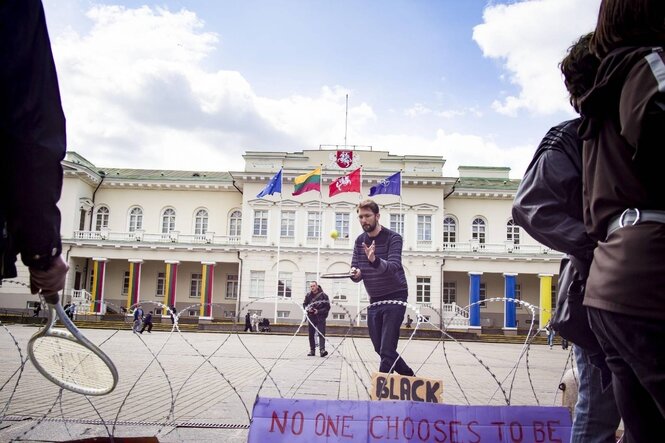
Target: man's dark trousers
383	322
320	323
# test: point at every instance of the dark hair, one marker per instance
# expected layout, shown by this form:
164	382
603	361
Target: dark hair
368	204
579	68
628	23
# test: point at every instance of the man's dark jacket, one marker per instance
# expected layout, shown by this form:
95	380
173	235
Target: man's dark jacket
320	302
548	205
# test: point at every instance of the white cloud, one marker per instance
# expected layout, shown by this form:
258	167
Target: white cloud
530	38
456	148
417	110
136	91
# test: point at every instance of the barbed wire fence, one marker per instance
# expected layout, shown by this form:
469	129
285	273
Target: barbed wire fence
183	369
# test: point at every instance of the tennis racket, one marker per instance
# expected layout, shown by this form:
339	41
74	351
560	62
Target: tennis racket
67	358
336	275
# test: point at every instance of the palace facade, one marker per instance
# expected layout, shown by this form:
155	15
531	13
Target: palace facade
204	243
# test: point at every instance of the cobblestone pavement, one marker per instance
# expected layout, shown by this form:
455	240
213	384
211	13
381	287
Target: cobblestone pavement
201	386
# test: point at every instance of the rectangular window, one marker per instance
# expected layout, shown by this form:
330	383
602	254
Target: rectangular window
338	290
518	295
161	279
342	224
423	289
195	285
397	223
425	227
309	277
288	224
256	282
338	316
313	224
449	292
102	219
284	285
283	314
125	283
363	317
483	295
229	314
449	231
232	287
260	222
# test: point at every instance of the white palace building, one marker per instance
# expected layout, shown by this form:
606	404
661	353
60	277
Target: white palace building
204	242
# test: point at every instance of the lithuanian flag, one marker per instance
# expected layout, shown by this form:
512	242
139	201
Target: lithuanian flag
307	182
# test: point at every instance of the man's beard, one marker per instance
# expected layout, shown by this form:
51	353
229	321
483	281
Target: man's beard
369	227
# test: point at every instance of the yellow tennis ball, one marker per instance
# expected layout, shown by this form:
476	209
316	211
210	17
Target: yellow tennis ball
334	234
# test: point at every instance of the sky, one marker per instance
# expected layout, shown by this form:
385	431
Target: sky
194	84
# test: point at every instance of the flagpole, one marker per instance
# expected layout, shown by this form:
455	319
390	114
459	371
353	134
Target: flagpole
318	249
279	239
346	120
360	197
401	215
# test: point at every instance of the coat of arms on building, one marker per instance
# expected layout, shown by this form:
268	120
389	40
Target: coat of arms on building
344	159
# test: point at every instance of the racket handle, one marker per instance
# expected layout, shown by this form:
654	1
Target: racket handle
51	299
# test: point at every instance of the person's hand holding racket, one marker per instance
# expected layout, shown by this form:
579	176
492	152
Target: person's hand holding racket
50	281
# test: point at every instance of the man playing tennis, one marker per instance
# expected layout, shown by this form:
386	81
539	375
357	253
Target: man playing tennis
377	261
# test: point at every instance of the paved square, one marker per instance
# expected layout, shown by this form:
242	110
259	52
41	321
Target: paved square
201	386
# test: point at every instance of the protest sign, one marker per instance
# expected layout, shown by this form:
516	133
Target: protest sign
278	420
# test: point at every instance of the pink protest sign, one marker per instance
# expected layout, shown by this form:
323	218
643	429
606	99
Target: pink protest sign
288	420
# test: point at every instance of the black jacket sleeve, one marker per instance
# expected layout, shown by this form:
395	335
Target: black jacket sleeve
548	203
32	134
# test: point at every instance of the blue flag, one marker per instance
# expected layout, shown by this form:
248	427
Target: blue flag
390	185
274	185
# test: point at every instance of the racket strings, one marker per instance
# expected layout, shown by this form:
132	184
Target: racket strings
72	363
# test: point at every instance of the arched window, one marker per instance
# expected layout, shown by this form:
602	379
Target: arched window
235	224
478	230
201	222
135	219
102	218
449	230
513	232
168	220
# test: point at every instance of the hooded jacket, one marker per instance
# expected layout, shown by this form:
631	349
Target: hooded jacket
548	205
624	118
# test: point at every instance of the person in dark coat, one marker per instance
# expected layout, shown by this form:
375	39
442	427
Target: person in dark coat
248	322
147	323
624	207
317	306
33	141
548	205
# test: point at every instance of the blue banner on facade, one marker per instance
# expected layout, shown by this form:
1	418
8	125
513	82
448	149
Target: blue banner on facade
288	420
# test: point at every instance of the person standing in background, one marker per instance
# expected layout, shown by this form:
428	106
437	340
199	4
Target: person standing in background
317	306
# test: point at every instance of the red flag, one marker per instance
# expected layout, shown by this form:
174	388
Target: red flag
344	159
347	183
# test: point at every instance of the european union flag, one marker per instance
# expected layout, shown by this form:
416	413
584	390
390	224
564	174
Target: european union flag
274	185
390	185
